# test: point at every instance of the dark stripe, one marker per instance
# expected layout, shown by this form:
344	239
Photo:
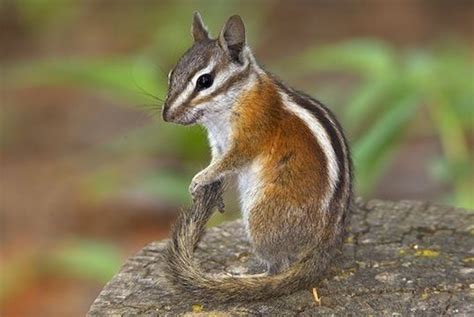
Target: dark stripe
232	80
336	143
318	111
337	205
223	88
188	79
185	105
171	99
227	84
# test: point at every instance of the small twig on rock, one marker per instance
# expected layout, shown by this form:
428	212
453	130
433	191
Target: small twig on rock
316	297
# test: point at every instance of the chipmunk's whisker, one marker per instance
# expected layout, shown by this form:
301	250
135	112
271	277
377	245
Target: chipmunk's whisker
151	110
148	94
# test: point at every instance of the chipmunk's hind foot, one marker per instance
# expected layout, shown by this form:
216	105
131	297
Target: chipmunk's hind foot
275	266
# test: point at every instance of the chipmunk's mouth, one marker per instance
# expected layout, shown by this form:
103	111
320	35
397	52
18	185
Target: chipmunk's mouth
191	118
186	118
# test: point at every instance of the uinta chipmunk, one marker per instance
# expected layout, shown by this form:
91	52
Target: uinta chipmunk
290	157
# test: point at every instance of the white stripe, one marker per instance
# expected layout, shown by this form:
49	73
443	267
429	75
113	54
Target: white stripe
190	86
343	145
219	80
323	139
250	188
249	55
222	77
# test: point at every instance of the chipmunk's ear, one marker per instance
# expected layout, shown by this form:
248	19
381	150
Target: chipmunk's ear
198	29
232	37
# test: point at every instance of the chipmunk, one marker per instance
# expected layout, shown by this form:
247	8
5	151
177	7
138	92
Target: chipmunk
290	157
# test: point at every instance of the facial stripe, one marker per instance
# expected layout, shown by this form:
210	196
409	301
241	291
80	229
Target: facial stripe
226	75
190	88
170	73
224	78
321	134
180	110
224	85
173	97
185	105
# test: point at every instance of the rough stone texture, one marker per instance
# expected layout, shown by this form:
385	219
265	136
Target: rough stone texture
401	258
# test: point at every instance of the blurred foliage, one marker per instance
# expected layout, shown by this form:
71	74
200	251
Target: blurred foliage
76	258
122	77
85	259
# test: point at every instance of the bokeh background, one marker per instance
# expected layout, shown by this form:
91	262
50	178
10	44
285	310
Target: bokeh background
90	173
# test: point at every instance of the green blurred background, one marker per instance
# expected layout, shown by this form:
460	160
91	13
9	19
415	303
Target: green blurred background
90	173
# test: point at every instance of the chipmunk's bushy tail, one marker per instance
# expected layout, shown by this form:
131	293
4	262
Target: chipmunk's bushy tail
186	274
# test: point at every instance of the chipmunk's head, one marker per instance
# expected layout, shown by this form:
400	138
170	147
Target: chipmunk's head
210	76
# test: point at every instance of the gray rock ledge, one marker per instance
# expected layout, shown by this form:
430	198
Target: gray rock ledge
400	258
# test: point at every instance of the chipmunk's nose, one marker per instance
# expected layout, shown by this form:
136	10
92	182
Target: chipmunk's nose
165	112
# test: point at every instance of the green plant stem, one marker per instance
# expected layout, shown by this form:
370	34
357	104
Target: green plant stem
455	148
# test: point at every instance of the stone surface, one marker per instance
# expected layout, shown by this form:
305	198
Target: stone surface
400	258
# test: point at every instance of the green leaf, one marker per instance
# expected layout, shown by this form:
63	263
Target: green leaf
128	77
363	103
166	140
461	174
368	58
169	186
373	150
41	15
166	185
86	259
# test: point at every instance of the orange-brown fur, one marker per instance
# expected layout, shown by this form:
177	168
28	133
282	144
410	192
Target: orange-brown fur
292	168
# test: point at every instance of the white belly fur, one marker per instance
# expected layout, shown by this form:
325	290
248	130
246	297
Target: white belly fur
249	189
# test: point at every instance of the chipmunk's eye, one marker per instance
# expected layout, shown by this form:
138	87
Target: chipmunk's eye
204	81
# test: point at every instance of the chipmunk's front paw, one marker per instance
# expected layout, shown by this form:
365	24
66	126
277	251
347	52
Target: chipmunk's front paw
198	183
220	205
